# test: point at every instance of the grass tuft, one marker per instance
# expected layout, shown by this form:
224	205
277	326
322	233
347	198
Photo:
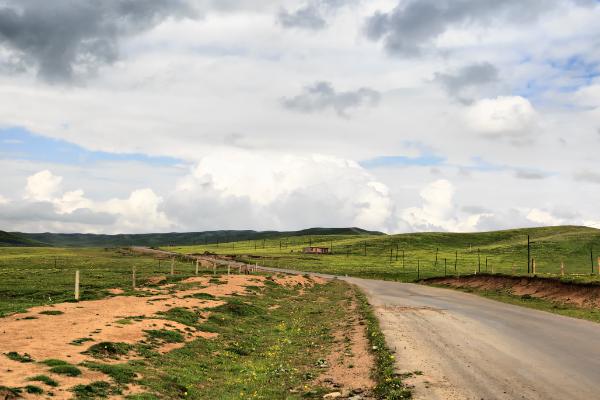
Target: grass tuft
109	350
45	379
68	370
23	358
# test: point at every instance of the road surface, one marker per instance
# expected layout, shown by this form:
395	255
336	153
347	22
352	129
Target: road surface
469	347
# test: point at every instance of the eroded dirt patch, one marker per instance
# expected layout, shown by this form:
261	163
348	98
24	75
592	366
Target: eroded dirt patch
65	331
580	295
350	362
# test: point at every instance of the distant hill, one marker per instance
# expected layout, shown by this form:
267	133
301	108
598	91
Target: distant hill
17	240
160	239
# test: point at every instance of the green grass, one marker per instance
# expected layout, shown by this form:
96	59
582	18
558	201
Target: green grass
396	257
33	389
259	353
44	379
52	362
165	335
44	276
23	358
109	350
120	373
51	312
68	370
95	390
389	384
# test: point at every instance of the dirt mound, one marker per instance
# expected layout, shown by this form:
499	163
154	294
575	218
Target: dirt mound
578	294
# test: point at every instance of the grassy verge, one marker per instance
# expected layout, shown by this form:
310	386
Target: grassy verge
504	296
269	346
389	385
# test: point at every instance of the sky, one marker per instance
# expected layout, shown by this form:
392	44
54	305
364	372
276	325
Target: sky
127	116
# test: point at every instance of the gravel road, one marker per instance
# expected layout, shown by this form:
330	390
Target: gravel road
469	347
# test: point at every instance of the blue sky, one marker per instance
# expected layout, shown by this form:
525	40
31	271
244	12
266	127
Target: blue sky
20	144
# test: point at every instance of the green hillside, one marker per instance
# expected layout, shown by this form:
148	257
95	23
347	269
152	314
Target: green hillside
398	256
164	239
18	240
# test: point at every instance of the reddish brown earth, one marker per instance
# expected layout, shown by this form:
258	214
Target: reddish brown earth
580	295
50	336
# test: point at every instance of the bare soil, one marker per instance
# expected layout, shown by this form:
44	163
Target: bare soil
580	295
350	362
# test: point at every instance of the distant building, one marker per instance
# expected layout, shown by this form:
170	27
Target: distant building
316	250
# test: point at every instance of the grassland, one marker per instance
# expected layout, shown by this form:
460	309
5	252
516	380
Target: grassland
270	344
407	257
46	275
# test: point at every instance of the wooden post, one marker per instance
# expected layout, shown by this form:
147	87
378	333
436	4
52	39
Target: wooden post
214	268
436	257
445	268
513	268
197	265
479	260
77	285
533	265
228	269
173	266
133	277
402	259
562	268
418	269
598	265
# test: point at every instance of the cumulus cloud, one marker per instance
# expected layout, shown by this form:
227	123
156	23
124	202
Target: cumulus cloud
47	206
272	191
64	39
438	211
461	83
413	25
42	186
543	217
322	96
503	116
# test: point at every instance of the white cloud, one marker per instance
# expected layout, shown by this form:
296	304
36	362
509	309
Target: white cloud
438	211
543	217
502	116
42	186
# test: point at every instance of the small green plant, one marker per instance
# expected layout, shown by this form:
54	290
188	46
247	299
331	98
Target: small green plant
68	370
24	358
109	350
120	373
203	296
239	308
166	335
34	389
44	379
51	312
182	315
53	362
94	390
80	341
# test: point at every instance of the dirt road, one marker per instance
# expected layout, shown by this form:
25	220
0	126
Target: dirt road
468	347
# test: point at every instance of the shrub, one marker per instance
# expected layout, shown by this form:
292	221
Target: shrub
109	350
68	370
24	358
45	379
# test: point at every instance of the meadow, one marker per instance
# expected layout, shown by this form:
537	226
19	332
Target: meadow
409	257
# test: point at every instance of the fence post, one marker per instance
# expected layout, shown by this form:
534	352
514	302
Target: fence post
228	269
598	265
455	260
533	265
214	268
445	269
197	262
77	285
513	269
133	277
173	266
562	268
479	260
418	269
